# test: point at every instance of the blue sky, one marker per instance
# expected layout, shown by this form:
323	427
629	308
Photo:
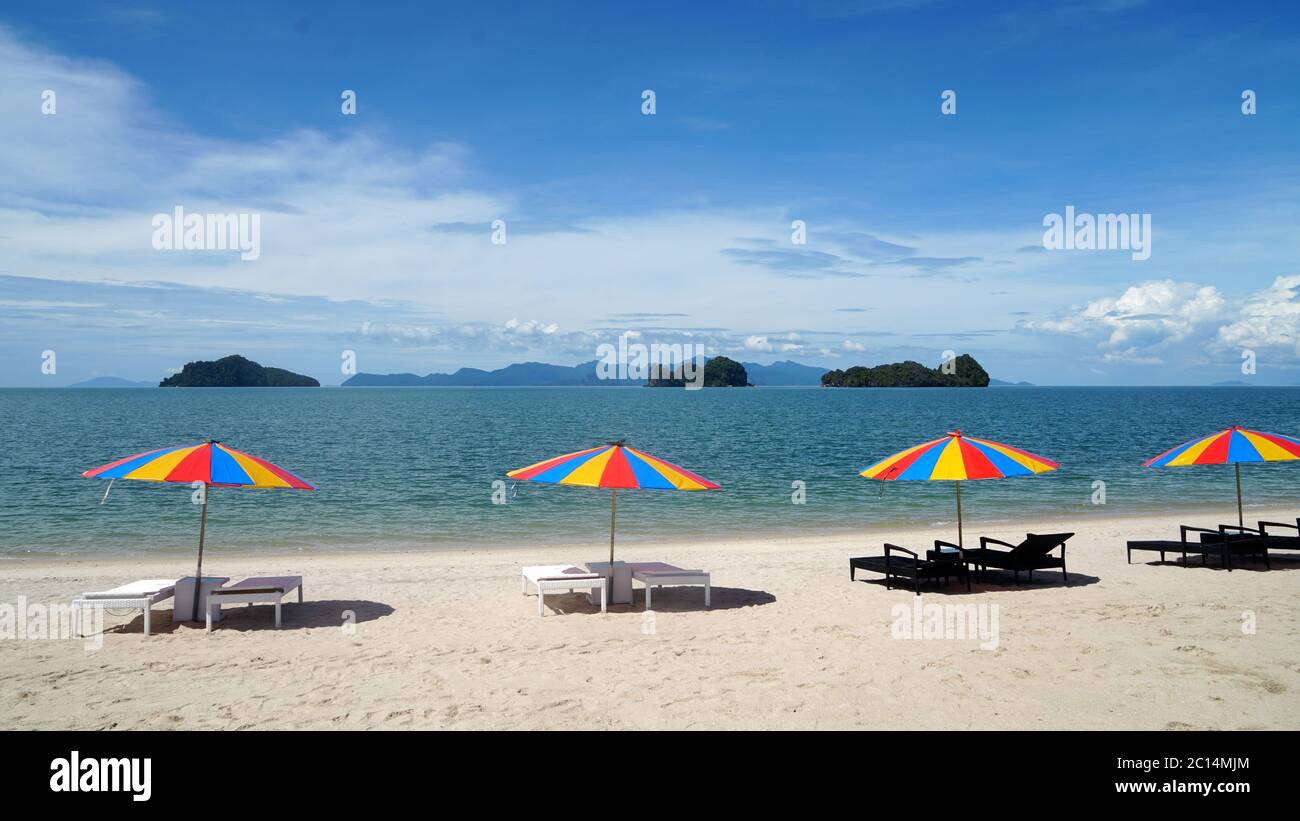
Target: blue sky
924	230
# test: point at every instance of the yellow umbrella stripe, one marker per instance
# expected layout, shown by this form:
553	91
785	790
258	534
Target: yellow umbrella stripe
678	479
951	465
555	460
1270	451
261	477
1020	456
589	472
879	467
156	470
1189	456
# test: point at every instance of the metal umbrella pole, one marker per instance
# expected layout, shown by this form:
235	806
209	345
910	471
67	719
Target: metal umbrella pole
198	571
960	543
613	512
1241	521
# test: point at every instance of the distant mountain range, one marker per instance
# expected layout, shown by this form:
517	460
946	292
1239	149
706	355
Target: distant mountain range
540	374
1000	383
112	382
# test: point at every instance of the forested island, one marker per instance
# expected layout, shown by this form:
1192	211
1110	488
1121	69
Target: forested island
719	372
235	372
965	372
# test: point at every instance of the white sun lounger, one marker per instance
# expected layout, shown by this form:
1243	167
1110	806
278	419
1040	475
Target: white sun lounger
658	574
141	595
261	589
562	577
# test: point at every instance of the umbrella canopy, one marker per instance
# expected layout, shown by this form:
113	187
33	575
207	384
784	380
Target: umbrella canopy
617	467
614	466
957	458
211	463
1230	447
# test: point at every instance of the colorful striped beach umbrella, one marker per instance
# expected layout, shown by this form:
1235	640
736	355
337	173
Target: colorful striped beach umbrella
617	467
211	463
1232	446
958	458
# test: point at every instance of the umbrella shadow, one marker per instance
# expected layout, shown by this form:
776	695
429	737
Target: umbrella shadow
680	599
293	616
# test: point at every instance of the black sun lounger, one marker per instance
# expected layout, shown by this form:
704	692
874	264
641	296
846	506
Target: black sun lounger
1212	543
1282	541
1034	553
1274	541
943	562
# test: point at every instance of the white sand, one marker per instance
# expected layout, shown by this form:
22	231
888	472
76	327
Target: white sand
446	640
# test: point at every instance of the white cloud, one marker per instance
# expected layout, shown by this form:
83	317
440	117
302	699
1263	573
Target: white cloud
531	327
758	343
1268	318
1144	321
1152	322
850	345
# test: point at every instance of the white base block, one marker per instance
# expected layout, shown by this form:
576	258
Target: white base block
184	597
620	589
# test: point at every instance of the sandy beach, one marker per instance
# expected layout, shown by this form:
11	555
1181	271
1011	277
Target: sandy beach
444	639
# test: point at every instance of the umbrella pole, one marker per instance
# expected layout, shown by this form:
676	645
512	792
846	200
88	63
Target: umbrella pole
960	543
613	511
1241	522
198	572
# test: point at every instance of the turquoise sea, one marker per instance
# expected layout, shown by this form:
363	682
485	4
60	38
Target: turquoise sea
414	467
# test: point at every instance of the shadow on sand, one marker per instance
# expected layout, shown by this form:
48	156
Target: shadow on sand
683	599
992	580
1276	561
293	616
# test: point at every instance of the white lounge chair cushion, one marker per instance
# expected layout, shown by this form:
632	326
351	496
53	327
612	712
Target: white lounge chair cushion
661	568
143	589
282	583
552	572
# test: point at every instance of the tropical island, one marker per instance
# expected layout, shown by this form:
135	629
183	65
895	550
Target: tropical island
719	372
235	372
964	372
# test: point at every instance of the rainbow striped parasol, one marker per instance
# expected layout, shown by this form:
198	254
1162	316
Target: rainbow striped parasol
957	458
617	467
211	463
1232	446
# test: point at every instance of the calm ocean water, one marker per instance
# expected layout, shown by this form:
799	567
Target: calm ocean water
400	468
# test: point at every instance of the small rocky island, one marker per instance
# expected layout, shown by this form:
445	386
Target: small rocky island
236	372
964	372
719	372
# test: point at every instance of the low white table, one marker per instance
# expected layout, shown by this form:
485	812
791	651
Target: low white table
556	577
257	590
659	574
620	587
183	607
